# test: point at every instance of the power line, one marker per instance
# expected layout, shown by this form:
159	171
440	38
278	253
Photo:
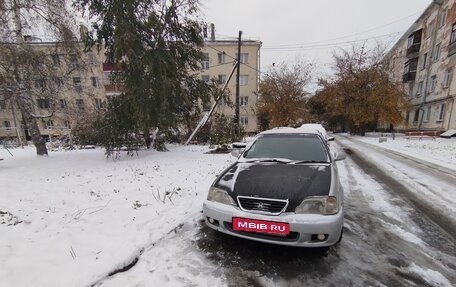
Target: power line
334	44
347	36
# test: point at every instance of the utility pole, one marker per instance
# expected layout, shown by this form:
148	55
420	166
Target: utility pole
238	72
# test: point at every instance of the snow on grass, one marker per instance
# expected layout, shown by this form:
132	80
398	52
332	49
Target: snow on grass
80	216
440	151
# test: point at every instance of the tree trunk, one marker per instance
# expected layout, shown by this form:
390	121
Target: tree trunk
33	129
147	138
24	107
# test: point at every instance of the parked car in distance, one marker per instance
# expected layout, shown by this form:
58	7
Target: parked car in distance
284	189
319	128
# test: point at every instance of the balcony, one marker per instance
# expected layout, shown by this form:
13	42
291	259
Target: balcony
409	76
108	67
413	50
452	49
114	89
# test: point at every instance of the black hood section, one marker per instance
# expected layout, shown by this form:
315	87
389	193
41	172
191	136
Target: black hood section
276	180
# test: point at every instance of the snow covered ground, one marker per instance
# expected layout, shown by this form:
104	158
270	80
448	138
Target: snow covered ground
75	217
439	151
72	218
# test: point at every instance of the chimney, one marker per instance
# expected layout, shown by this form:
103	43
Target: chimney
212	32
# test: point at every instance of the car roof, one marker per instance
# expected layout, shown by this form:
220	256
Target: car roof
288	130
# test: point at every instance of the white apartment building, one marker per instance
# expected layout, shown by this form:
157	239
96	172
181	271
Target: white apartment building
424	60
219	57
85	90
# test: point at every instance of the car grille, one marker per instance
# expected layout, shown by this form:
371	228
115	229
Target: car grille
262	205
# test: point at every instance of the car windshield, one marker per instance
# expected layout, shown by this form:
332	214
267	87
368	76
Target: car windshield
292	147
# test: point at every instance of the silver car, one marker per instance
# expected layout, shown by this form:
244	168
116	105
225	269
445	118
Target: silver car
283	189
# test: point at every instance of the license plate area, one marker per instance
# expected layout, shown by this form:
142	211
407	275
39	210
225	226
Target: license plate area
261	226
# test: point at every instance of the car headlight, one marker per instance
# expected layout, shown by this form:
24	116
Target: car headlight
326	205
219	195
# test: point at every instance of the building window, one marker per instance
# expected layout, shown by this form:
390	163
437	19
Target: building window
221	79
40	84
77	84
436	55
424	63
92	59
2	104
223	102
410	41
43	103
244	101
410	66
50	124
221	57
243	80
448	78
63	104
244	121
98	104
59	82
67	124
429	29
442	18
205	78
432	83
419	90
80	104
205	61
416	117
244	58
74	61
453	34
56	59
440	112
95	82
427	114
7	125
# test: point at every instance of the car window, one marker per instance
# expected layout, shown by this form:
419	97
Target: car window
293	147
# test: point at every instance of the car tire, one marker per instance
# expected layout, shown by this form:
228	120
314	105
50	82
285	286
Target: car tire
340	236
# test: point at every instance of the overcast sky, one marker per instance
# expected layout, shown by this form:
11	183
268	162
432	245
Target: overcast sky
311	29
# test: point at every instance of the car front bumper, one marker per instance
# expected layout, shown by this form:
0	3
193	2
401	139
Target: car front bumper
304	228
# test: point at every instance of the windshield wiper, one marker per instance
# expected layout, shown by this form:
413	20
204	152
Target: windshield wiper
278	160
308	161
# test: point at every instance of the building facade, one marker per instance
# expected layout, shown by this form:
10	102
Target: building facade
62	100
87	85
219	57
424	60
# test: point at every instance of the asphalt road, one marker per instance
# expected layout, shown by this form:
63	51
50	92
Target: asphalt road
380	248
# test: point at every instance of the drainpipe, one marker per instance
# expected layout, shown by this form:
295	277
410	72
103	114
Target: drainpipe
428	70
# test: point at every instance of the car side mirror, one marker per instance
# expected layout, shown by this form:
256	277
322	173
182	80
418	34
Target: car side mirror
330	139
238	148
340	155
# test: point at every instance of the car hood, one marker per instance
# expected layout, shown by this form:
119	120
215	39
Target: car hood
276	180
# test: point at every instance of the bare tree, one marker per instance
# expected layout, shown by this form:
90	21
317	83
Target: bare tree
30	72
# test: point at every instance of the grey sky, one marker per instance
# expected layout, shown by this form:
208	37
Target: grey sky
291	28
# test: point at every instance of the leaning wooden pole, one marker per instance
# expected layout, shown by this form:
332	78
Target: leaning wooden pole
211	111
